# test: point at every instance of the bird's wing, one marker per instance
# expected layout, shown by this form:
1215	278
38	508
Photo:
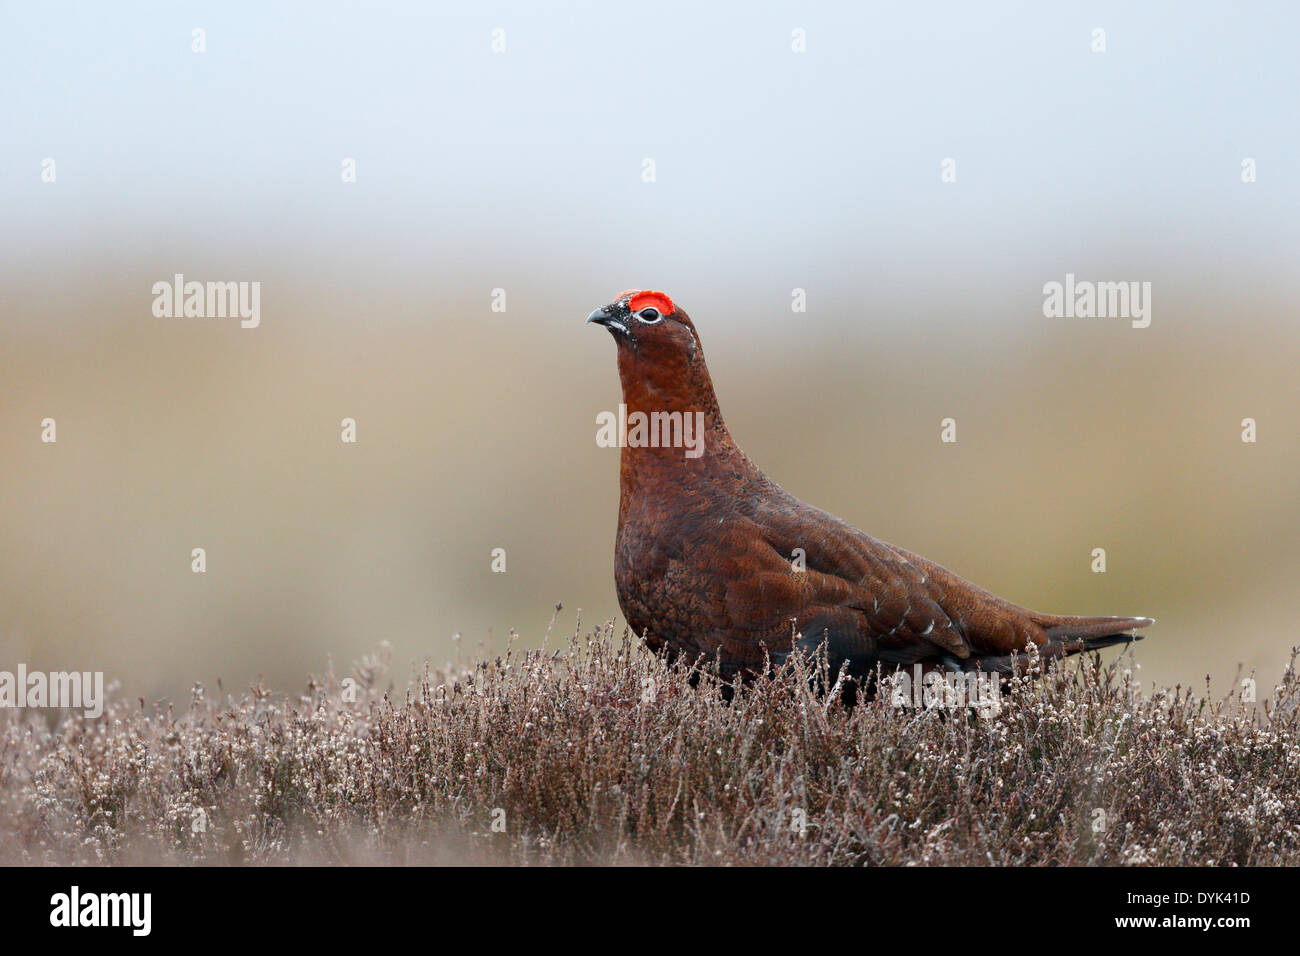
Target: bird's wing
903	608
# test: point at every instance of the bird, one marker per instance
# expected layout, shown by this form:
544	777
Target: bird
715	561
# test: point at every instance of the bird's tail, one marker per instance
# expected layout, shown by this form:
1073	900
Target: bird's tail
1077	634
1065	636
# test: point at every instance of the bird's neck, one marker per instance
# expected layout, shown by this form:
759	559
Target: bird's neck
674	428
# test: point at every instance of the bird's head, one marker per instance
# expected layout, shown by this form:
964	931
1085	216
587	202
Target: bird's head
660	362
647	323
661	368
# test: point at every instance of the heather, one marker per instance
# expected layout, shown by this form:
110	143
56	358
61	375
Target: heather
600	752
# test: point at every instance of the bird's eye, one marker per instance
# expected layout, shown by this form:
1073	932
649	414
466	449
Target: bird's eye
649	316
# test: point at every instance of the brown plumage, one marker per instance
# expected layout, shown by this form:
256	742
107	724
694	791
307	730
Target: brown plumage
705	558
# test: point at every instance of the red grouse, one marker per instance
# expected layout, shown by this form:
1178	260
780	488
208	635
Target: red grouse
705	560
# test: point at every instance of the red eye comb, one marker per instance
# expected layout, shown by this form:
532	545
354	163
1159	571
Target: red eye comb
648	299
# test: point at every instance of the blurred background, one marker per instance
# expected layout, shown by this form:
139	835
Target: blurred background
522	170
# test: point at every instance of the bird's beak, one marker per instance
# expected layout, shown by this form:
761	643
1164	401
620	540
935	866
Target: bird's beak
601	317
